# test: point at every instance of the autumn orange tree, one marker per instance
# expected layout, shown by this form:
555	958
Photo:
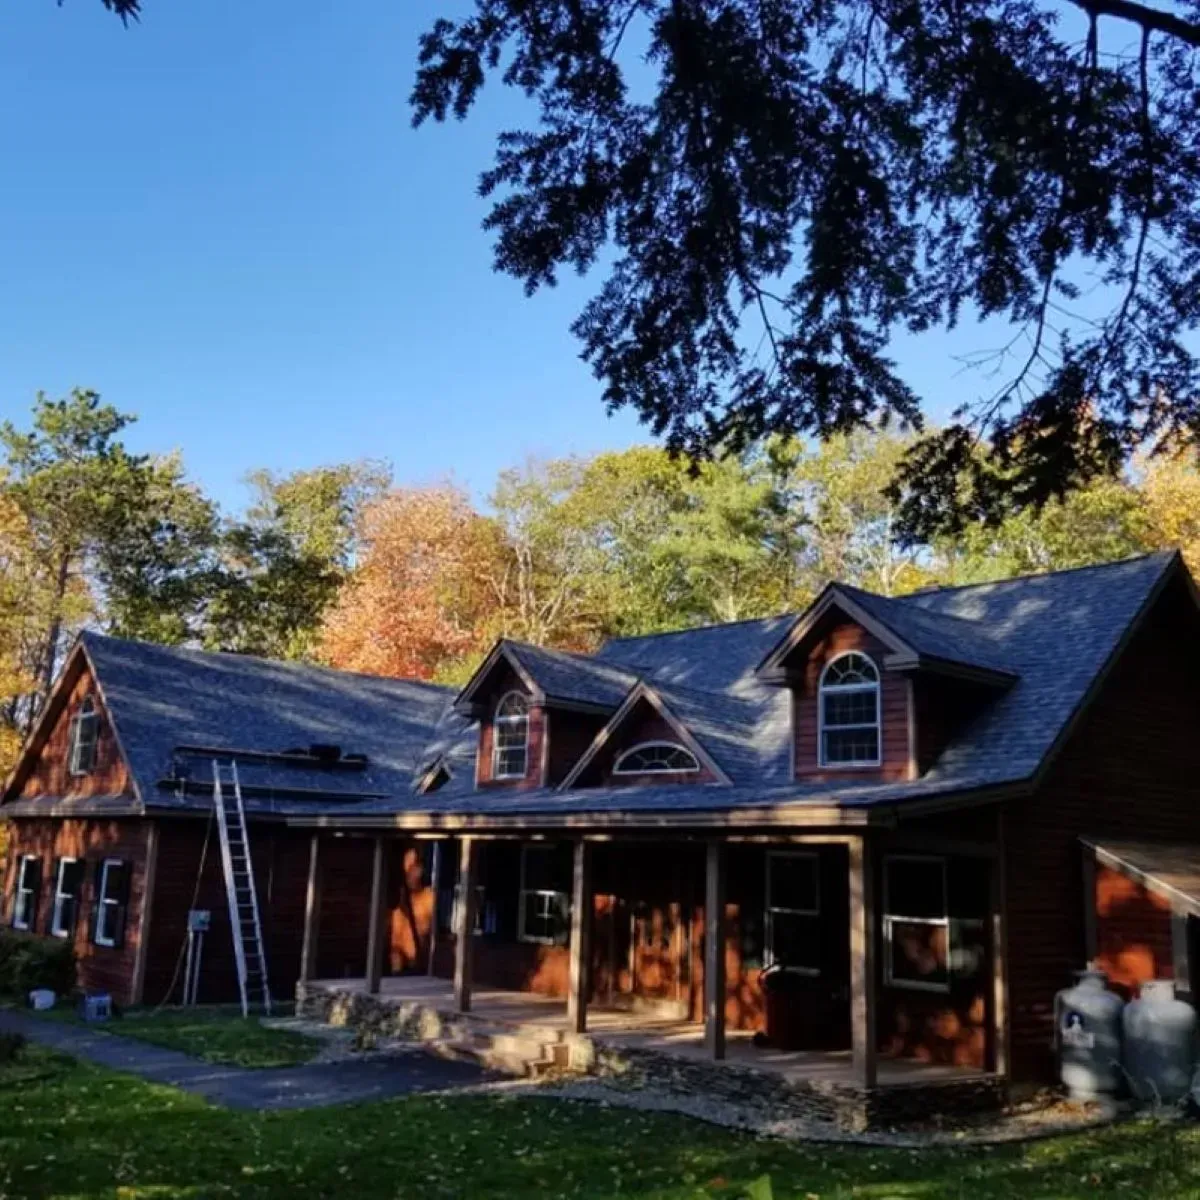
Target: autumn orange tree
420	598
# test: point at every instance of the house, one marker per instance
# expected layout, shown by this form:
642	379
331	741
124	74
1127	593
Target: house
111	804
910	811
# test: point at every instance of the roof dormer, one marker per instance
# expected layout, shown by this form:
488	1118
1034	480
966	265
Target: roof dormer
518	692
879	685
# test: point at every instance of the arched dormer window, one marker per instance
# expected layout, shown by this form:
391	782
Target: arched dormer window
85	727
848	713
656	758
510	737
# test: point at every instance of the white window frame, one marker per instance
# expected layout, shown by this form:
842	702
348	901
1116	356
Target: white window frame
22	913
477	930
87	713
56	929
769	909
619	770
497	721
842	689
890	919
543	894
104	903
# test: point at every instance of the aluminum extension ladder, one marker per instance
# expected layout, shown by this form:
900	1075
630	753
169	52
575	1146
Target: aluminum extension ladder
248	949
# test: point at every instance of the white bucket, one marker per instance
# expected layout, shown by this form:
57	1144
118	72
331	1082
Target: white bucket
41	998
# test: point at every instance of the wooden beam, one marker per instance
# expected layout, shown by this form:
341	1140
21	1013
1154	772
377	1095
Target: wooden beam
1001	1051
581	939
377	918
435	886
1181	955
464	922
137	986
1090	946
862	962
714	950
312	913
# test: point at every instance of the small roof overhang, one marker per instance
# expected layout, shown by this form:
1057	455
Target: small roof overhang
1169	870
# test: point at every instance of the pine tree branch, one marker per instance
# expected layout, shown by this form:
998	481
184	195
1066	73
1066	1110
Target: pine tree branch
1140	14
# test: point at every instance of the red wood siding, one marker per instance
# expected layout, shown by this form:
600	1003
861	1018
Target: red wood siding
47	768
1133	931
834	638
100	968
280	859
506	680
1131	769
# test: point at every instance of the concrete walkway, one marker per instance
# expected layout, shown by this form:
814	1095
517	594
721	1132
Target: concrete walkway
310	1086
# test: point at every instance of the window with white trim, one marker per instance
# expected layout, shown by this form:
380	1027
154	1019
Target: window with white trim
112	896
510	737
656	758
916	923
68	880
793	912
25	895
85	729
544	907
848	716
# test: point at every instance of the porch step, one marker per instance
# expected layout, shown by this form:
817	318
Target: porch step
509	1049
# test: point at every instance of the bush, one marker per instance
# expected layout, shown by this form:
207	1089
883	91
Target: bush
11	1046
28	961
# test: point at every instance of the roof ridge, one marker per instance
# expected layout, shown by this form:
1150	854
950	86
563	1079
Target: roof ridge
664	633
574	655
287	664
939	589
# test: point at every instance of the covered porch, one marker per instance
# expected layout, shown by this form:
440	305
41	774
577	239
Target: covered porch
621	1030
661	947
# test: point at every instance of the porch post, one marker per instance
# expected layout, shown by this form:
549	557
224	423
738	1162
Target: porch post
1001	1053
377	918
581	938
714	950
435	884
464	923
862	960
312	913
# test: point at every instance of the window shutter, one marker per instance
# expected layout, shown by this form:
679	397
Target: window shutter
120	894
94	898
55	867
34	878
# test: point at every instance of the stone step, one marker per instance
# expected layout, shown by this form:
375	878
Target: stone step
496	1059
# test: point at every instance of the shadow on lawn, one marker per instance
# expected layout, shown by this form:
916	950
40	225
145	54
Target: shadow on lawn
82	1131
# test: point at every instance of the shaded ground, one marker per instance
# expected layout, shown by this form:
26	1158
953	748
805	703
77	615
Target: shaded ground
237	1087
77	1130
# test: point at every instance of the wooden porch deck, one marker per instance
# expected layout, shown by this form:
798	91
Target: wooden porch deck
621	1028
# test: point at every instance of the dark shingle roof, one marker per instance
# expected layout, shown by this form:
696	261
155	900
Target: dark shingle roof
573	677
1055	632
935	635
160	697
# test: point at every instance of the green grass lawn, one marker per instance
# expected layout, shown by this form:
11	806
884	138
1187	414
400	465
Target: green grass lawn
72	1130
216	1035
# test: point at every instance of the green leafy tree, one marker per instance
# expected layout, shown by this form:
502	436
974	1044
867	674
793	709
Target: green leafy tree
838	493
283	564
117	536
774	189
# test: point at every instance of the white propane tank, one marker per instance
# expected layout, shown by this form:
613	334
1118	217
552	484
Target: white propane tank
1160	1044
1088	1036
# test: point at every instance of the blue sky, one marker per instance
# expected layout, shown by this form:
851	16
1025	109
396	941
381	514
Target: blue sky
222	220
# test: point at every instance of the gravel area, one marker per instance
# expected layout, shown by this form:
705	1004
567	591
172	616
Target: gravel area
1046	1115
